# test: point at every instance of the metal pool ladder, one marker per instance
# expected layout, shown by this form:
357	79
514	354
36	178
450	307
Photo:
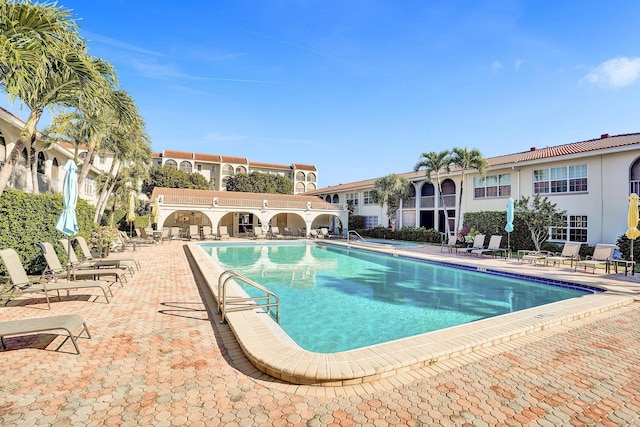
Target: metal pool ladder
228	305
356	233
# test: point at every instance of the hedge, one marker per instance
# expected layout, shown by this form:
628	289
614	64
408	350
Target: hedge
27	219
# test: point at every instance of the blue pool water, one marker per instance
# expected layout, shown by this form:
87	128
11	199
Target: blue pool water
335	299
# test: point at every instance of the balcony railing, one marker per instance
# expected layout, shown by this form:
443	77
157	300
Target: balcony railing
247	203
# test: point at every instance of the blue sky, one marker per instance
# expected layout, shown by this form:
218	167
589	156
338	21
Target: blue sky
362	88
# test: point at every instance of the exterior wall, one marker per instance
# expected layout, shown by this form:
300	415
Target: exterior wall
605	203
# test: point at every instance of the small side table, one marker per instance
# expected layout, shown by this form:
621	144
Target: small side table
627	264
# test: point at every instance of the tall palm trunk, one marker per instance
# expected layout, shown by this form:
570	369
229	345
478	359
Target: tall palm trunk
86	165
27	135
107	189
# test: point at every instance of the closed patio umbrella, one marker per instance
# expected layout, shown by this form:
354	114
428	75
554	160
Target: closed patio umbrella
131	211
155	212
632	220
68	222
509	227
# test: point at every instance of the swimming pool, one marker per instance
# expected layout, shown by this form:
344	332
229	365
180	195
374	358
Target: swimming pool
334	298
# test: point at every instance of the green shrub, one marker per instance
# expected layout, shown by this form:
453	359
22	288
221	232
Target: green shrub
27	219
411	234
356	222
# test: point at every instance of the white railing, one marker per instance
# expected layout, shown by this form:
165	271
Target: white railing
248	203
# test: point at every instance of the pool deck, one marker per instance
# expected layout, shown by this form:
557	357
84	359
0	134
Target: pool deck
158	356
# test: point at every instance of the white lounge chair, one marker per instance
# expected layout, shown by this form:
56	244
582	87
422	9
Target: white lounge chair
602	256
492	247
21	284
478	243
68	322
570	252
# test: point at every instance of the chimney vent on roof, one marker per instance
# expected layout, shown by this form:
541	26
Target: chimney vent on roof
533	149
604	135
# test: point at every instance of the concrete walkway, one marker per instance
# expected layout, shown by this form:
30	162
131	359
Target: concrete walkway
157	356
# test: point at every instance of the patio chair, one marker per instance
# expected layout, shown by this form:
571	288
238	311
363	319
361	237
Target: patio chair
314	234
274	233
175	233
258	233
194	232
207	233
223	233
56	271
21	284
86	254
324	232
287	233
570	252
602	256
492	247
478	243
141	236
86	263
68	322
450	244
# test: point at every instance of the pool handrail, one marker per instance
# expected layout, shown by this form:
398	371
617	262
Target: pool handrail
222	296
356	233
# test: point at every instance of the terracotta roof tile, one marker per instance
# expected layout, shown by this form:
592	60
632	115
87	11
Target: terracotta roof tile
231	159
268	165
210	194
207	157
304	167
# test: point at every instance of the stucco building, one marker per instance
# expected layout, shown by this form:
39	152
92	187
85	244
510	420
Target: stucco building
591	180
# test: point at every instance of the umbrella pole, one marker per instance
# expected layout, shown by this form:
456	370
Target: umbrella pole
68	259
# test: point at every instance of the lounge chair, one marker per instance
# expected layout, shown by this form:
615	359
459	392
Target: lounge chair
450	244
478	243
21	284
287	233
492	247
570	252
532	257
602	255
165	235
223	233
85	263
274	233
258	233
194	232
56	271
175	233
86	254
324	232
207	232
141	237
68	322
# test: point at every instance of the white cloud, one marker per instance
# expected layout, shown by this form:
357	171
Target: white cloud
518	64
617	72
496	66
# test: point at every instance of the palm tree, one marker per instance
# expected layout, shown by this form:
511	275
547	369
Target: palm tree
390	190
466	159
434	164
43	63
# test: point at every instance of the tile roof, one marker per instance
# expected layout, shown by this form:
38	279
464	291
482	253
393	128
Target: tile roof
178	154
304	167
269	165
207	157
605	142
237	160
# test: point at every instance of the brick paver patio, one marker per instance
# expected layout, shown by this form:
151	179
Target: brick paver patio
158	357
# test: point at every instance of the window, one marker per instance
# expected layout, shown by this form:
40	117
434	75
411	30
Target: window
199	168
370	221
311	177
102	159
352	197
186	166
300	187
574	230
240	170
300	176
89	186
492	186
227	170
564	179
367	199
171	163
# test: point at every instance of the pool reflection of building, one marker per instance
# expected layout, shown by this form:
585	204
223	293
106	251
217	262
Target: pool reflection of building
269	262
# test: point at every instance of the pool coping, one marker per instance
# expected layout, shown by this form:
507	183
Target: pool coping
273	352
